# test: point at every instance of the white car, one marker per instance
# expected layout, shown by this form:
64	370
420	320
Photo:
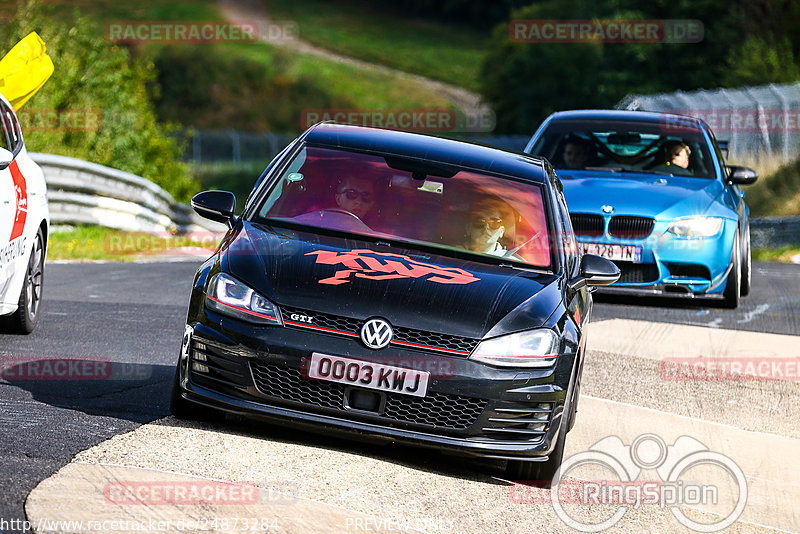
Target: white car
24	223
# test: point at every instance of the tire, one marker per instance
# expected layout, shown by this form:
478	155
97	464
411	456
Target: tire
25	319
180	407
540	474
574	413
733	286
747	264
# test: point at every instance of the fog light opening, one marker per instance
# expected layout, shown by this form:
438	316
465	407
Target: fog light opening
200	368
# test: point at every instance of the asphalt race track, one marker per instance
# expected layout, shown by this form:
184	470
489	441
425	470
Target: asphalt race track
133	316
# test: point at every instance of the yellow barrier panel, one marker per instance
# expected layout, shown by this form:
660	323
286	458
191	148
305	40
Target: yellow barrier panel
24	70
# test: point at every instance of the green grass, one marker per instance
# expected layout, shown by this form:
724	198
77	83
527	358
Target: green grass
359	29
93	243
776	193
359	88
108	10
345	86
782	254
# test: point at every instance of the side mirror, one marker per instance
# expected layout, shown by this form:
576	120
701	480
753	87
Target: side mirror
741	175
6	158
216	206
595	271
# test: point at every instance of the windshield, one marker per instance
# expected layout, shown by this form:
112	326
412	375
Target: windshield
626	146
460	210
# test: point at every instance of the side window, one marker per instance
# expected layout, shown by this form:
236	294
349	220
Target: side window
7	130
719	156
12	136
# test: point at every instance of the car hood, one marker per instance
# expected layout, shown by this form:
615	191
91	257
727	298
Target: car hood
408	287
647	195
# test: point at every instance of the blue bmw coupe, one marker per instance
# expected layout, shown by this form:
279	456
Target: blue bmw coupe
652	193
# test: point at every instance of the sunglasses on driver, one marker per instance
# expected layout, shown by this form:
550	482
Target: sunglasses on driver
494	223
353	194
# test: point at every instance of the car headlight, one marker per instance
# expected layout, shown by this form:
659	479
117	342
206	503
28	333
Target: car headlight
229	296
534	348
696	227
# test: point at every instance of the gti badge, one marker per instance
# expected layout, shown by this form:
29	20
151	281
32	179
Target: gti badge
376	333
608	209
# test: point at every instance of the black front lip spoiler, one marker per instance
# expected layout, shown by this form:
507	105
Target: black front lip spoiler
656	291
477	447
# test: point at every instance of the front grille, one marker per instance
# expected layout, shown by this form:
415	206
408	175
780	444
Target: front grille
587	224
629	227
436	409
636	273
406	337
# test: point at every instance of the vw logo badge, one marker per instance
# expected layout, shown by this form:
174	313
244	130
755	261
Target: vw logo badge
376	333
608	209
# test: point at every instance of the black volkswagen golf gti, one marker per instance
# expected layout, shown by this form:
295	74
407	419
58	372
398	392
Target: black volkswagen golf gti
399	286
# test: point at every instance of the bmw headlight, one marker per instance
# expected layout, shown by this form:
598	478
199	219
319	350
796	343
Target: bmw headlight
696	227
534	348
231	297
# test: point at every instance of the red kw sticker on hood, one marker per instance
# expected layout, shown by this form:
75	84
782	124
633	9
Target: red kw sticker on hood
385	266
21	194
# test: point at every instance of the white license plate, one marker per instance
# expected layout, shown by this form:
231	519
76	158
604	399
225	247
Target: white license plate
613	252
368	375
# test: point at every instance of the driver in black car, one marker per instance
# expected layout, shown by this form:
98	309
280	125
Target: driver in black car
356	195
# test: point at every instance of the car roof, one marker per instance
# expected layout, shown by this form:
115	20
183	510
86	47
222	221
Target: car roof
466	154
620	114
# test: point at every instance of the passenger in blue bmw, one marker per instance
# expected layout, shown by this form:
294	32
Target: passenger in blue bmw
676	159
392	328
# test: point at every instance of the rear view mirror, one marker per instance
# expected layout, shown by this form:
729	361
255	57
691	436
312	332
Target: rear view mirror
215	205
595	271
625	138
741	175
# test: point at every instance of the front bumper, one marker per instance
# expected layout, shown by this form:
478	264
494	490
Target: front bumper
674	266
470	408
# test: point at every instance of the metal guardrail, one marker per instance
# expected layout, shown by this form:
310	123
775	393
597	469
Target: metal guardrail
80	192
774	232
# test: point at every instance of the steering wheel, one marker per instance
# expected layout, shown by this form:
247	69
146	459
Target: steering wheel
339	210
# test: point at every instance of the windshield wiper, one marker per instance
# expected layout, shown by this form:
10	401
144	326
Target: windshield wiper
623	169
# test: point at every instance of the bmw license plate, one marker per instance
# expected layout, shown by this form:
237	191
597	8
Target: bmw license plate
368	375
613	252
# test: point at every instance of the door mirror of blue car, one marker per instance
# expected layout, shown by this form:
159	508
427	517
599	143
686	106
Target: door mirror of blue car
216	206
595	271
741	175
